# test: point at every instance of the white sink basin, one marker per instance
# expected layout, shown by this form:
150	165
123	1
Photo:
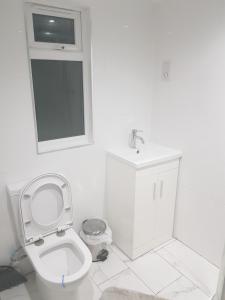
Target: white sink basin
149	154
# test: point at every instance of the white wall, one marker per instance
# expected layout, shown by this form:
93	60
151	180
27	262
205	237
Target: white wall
188	113
121	100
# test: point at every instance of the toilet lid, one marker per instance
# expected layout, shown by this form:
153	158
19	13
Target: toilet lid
45	207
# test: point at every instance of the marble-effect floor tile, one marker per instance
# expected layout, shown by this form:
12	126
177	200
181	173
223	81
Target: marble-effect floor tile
182	289
127	280
103	271
122	256
193	266
154	271
164	245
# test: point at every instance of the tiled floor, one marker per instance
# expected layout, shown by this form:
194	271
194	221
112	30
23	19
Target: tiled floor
172	271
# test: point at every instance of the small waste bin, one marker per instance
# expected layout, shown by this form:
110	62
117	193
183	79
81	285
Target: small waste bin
97	236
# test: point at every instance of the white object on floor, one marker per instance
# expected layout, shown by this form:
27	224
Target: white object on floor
60	258
122	294
15	293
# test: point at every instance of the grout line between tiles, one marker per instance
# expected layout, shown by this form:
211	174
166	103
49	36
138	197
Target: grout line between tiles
153	252
123	261
181	275
132	271
173	240
197	253
142	281
127	268
112	277
131	261
184	275
97	285
169	284
148	252
169	263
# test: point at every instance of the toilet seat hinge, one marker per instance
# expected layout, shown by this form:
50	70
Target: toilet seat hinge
36	238
63	228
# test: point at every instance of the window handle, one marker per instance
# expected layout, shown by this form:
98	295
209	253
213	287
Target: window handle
161	188
60	48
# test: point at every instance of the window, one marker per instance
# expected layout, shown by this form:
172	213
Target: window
54	80
60	76
53	28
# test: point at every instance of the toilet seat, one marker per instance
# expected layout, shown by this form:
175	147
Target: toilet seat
44	192
59	257
52	274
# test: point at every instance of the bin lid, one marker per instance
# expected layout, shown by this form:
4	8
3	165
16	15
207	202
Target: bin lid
94	227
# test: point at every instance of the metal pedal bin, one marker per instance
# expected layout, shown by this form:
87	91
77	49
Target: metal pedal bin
97	236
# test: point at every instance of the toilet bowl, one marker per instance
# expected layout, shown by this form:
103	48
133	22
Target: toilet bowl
59	257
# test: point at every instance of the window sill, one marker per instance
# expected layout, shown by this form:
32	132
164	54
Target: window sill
62	144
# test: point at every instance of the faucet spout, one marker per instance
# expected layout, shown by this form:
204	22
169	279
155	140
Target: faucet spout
135	137
140	138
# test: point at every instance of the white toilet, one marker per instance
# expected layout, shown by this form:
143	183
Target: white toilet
45	216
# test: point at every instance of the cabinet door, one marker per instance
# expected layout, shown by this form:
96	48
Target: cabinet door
145	207
166	197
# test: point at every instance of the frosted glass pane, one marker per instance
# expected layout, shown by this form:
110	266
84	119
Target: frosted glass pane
50	29
59	98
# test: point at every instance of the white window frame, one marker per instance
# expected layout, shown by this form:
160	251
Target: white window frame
83	55
54	12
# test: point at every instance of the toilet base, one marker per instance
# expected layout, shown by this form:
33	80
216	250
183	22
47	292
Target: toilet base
46	293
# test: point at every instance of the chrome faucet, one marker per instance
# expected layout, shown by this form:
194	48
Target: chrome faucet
135	137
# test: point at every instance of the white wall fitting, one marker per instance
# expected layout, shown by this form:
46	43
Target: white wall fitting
188	114
121	57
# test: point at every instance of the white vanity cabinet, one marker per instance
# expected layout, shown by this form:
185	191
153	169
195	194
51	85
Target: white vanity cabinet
141	203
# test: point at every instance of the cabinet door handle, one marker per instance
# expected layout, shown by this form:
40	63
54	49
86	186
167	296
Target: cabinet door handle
161	188
154	191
